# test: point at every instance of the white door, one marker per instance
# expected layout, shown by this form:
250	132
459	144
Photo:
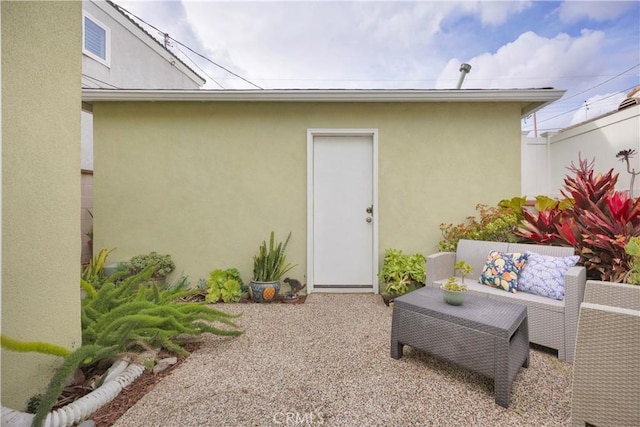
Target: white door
343	213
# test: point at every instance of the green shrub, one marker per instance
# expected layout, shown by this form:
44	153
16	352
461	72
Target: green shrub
633	250
400	272
164	264
496	224
94	272
225	285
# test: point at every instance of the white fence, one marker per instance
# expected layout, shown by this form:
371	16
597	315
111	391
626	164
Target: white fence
545	160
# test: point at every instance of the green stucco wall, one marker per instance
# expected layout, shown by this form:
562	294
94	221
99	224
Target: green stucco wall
207	181
41	45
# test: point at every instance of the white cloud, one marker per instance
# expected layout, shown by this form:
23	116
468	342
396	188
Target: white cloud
597	105
170	17
365	44
529	61
572	11
318	44
333	44
166	16
563	114
497	12
403	24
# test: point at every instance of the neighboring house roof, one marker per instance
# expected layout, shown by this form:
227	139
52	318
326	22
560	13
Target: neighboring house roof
147	38
633	98
622	114
530	100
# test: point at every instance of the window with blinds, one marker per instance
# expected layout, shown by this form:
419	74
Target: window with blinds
95	39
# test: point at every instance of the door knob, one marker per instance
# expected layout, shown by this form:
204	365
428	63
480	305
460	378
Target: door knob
370	209
369	219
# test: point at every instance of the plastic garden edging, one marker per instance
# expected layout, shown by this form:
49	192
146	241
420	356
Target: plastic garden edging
85	406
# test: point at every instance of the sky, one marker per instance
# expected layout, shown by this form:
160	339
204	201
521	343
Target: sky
591	49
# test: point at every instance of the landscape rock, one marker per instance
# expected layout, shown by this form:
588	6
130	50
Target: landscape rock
164	364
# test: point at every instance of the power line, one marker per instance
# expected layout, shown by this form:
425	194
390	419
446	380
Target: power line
100	81
200	68
377	80
217	65
600	84
167	37
576	109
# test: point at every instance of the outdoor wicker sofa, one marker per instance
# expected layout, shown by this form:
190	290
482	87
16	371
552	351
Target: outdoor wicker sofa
552	323
606	370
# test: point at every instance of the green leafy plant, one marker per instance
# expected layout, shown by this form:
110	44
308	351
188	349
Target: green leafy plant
164	264
496	224
94	272
598	222
463	268
452	285
33	346
516	204
400	272
269	264
89	233
633	250
32	405
545	202
225	285
127	318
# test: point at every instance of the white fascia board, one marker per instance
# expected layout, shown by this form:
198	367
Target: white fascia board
327	95
148	40
530	99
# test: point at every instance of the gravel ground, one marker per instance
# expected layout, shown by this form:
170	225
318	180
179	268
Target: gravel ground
327	362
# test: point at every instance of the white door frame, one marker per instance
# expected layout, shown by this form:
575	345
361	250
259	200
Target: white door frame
311	133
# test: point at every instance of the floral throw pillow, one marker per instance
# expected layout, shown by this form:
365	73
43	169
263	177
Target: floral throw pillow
502	270
544	275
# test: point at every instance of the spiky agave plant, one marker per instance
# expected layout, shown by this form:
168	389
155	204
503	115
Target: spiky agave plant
270	264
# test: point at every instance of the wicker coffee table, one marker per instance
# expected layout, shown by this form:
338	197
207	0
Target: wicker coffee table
487	336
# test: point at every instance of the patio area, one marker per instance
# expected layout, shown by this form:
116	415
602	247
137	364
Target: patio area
327	362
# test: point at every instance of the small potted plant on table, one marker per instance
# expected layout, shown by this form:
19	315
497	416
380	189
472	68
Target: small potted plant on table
452	291
269	265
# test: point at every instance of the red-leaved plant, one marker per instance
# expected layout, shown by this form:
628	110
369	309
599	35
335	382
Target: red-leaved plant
598	223
542	226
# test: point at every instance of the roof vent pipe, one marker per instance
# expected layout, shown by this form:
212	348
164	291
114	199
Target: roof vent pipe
464	70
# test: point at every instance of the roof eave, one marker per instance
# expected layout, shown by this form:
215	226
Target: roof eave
531	100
